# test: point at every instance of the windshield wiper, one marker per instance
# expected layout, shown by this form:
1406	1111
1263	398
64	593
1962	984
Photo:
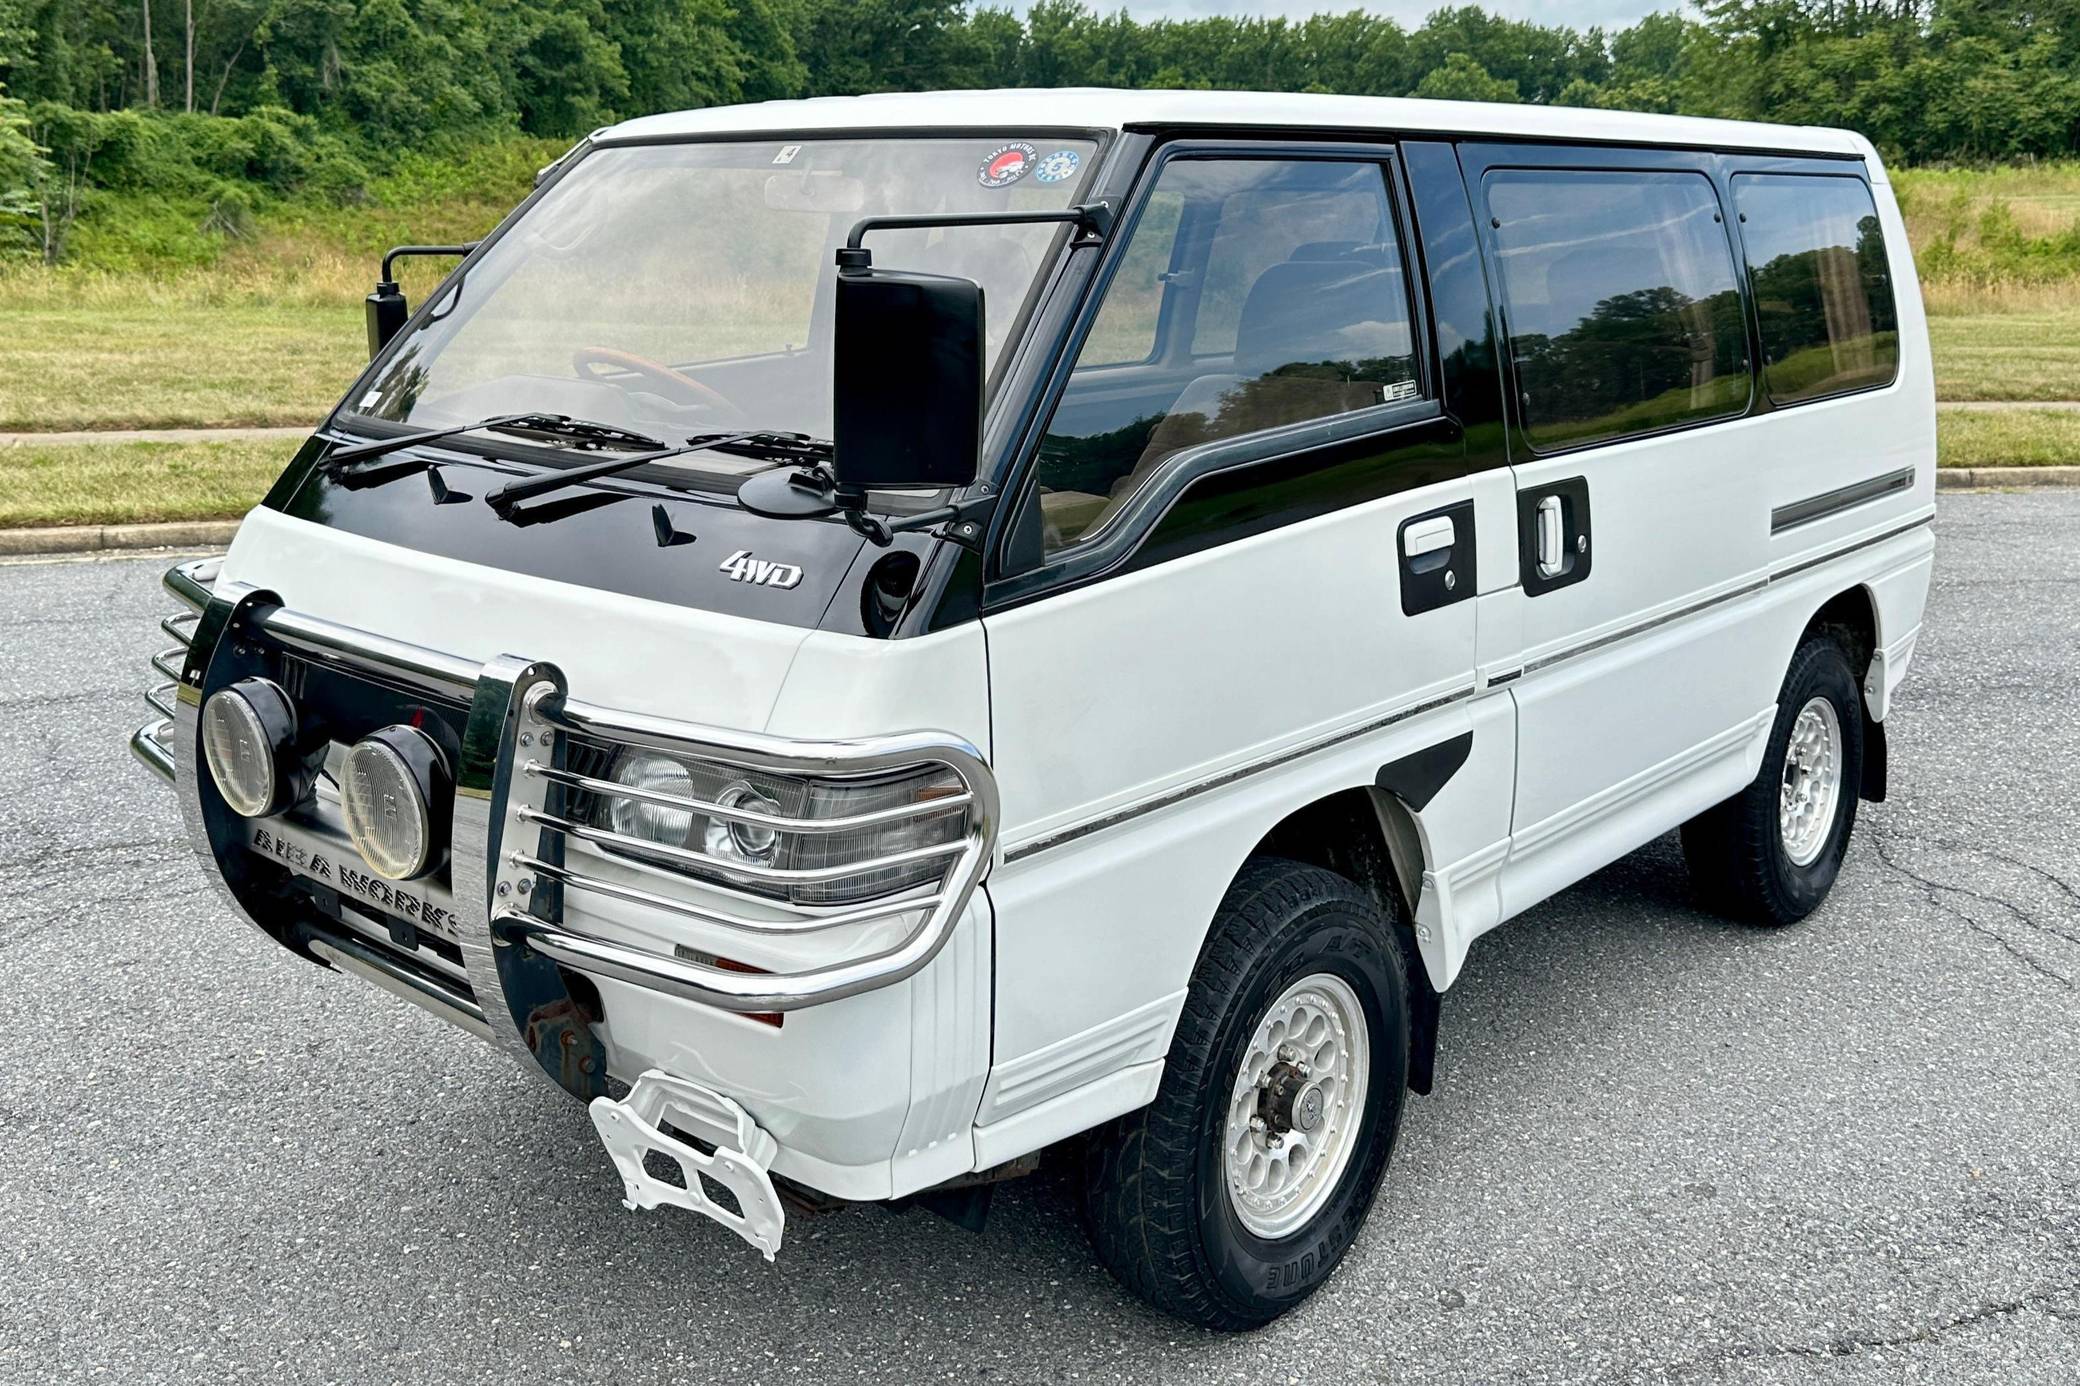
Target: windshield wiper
588	434
764	445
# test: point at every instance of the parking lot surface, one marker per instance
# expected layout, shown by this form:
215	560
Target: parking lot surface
1662	1147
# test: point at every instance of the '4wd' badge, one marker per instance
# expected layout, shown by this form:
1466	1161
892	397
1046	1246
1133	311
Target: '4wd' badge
742	567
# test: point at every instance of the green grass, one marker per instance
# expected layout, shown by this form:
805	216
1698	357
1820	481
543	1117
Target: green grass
121	483
2012	356
2008	438
115	366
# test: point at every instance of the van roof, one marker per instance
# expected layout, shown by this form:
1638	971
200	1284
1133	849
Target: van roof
1106	108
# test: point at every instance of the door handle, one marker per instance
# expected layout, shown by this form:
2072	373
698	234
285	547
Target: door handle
1552	538
1428	536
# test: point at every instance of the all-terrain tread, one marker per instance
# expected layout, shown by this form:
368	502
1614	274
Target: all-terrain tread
1733	849
1138	1204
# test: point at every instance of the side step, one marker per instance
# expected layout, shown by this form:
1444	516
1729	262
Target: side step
633	1127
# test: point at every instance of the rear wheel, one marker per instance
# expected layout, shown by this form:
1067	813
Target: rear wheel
1232	1196
1771	853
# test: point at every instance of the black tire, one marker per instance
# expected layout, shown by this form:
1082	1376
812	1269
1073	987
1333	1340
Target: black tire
1735	849
1157	1207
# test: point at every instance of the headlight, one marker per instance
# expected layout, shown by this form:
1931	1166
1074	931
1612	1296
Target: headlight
728	841
395	791
730	837
646	818
249	742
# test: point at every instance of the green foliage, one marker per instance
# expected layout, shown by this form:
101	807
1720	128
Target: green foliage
22	165
309	101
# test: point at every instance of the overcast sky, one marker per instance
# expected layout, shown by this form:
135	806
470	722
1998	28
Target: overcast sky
1578	14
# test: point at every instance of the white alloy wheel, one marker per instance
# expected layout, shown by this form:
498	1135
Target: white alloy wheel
1296	1106
1812	781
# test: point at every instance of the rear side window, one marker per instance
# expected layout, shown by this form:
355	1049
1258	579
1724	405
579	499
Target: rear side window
1822	287
1623	309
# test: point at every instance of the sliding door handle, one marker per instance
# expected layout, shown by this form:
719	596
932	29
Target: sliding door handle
1552	538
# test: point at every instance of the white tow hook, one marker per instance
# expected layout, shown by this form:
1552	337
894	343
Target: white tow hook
633	1127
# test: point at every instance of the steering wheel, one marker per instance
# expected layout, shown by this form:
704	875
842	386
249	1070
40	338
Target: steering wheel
586	360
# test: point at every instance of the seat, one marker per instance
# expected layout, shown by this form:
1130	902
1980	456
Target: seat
1308	325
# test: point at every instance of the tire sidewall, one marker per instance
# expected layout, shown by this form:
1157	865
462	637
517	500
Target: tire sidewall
1261	1277
1821	671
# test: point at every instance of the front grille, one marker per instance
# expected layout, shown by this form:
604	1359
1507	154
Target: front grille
894	831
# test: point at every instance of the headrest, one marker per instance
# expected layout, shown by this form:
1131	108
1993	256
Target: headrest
1321	310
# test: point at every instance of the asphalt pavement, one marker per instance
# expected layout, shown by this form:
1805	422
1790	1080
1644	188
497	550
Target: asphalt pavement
1662	1148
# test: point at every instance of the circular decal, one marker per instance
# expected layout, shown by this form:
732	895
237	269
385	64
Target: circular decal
1057	167
1005	165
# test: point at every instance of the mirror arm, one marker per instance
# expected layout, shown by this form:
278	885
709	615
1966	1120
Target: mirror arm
398	252
965	520
1093	219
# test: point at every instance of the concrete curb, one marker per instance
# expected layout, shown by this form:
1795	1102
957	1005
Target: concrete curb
200	534
2003	478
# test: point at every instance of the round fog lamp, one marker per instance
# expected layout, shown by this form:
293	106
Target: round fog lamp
393	786
249	742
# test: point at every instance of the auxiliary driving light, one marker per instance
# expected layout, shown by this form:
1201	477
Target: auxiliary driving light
395	790
249	741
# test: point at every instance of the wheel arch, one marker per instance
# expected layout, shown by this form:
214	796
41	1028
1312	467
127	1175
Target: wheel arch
1852	616
1372	837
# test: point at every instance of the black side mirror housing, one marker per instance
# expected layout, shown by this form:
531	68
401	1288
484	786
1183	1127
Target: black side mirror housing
907	380
387	313
386	308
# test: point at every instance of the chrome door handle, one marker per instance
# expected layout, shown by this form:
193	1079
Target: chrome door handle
1552	538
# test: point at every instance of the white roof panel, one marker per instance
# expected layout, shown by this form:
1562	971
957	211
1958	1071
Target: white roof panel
1110	108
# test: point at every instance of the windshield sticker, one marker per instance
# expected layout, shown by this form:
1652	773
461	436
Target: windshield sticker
1057	167
1006	164
787	153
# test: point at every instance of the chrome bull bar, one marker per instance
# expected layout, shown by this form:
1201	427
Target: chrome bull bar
509	867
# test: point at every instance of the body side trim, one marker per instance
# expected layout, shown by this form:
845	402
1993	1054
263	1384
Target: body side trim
1829	503
1228	777
1188	791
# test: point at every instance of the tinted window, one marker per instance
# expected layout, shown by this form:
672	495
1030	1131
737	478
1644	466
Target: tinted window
1816	259
1623	311
1310	325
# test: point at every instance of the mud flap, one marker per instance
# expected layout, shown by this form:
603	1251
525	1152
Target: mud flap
634	1126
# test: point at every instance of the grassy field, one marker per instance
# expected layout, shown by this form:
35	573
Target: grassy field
118	483
158	325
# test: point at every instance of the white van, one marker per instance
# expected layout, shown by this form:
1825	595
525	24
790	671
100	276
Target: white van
868	638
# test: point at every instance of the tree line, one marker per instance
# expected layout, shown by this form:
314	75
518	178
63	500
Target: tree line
322	82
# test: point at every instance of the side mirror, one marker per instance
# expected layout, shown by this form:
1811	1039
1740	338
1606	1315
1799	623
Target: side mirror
907	380
386	308
387	313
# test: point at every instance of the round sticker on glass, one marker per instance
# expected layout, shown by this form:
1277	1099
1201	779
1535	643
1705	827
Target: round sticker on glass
1057	167
1005	165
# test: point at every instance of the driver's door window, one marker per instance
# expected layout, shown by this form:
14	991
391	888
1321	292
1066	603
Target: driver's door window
1283	299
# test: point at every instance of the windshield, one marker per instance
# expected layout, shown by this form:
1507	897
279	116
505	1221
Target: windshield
683	289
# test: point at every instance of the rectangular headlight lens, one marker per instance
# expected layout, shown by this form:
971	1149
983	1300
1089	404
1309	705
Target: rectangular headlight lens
897	809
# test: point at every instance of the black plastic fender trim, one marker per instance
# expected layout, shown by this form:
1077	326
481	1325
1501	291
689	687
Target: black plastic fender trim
1416	777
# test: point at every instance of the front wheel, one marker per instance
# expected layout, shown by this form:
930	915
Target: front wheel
1770	853
1230	1198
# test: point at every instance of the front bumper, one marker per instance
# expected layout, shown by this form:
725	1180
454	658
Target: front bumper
528	970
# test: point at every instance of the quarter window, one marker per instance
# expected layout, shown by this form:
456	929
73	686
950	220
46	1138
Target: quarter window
1623	311
1253	294
1823	292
